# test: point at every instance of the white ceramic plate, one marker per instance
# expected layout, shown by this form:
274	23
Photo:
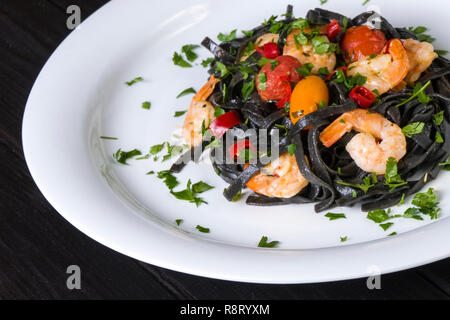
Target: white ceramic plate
80	95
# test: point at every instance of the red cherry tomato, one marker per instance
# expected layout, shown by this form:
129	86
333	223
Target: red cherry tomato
268	50
224	122
236	148
333	29
277	80
362	41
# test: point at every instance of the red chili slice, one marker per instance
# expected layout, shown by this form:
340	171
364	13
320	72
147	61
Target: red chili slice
224	122
333	29
344	68
362	96
269	50
238	146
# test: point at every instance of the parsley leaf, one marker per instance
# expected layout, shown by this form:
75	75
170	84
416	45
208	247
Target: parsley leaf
386	225
334	216
188	50
262	81
207	62
108	138
305	70
178	60
248	33
201	187
427	203
292	148
218	112
247	88
343	239
438	138
186	92
179	113
264	244
202	229
146	105
168	178
378	215
413	128
223	69
392	178
172	150
135	80
227	37
419	93
365	186
179	221
123	156
156	148
438	118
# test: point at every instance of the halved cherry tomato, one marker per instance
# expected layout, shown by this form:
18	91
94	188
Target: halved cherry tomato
307	94
275	85
333	29
362	41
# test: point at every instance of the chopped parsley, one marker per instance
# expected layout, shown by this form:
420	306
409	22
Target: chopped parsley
378	216
108	138
420	33
419	93
324	71
368	182
386	225
218	112
186	92
321	45
248	33
392	178
335	216
438	138
123	156
146	105
157	148
427	204
188	50
135	80
202	229
207	62
262	81
150	172
172	151
178	60
351	81
247	88
168	178
264	244
179	221
191	191
292	148
438	118
413	128
446	164
392	234
179	113
227	37
413	213
305	70
441	52
222	69
343	239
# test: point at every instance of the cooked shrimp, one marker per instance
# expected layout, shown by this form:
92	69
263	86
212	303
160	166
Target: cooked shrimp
369	153
262	40
306	54
281	178
385	71
199	111
420	56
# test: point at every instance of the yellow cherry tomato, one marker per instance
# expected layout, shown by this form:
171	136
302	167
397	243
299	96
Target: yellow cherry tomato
307	94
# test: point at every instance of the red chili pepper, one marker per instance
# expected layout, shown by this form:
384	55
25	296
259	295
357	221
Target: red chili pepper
362	96
287	87
333	29
224	122
344	68
268	50
238	146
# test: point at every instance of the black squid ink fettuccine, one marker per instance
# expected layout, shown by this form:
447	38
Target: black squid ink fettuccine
420	107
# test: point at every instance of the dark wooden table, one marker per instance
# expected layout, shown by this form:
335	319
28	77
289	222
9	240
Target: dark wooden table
37	244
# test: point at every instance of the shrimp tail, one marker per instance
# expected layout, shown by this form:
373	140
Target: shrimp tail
206	90
335	131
